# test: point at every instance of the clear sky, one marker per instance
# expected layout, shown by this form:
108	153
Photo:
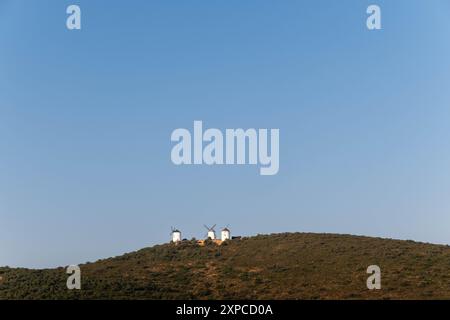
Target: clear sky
86	118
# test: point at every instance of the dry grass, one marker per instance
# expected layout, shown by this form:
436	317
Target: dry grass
279	266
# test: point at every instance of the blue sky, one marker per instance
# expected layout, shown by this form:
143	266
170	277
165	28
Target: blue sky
86	118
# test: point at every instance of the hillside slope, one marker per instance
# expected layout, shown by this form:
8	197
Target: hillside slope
279	266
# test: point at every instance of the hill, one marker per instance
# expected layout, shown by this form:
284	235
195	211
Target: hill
278	266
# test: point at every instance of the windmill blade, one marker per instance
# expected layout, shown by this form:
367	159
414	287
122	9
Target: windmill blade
213	227
207	228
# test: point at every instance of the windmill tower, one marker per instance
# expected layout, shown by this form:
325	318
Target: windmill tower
225	234
176	235
211	233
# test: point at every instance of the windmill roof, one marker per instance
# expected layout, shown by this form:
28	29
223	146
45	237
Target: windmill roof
225	229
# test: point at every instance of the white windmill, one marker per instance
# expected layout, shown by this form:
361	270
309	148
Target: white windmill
225	234
176	235
211	233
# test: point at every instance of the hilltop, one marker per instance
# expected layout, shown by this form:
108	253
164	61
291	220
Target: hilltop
278	266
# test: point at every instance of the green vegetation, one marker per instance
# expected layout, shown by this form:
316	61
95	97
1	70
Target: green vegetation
279	266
